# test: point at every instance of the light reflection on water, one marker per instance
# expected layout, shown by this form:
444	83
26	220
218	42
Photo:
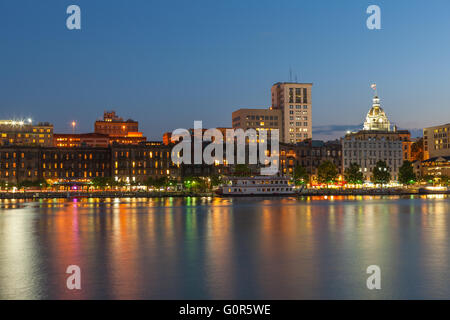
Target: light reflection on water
213	248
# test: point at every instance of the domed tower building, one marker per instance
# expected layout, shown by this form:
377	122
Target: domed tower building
376	141
376	118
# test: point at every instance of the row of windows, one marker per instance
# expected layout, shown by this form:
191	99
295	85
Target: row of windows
298	95
258	189
262	117
298	107
140	154
298	113
439	130
372	162
257	124
298	118
259	182
298	124
371	152
371	144
72	165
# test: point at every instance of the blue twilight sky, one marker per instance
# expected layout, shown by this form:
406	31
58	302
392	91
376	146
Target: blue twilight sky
168	63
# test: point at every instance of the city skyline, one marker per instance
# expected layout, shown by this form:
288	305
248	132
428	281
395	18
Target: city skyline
224	158
195	63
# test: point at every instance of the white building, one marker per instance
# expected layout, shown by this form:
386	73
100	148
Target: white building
374	143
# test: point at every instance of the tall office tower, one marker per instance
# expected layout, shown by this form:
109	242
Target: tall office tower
294	101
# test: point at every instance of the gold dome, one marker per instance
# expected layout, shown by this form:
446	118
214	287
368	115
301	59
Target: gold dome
376	118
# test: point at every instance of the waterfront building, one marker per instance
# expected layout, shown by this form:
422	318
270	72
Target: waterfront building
294	101
377	141
59	165
62	140
407	145
136	163
309	154
436	166
436	141
119	130
20	163
24	133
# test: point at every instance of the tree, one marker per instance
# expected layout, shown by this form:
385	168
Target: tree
149	182
353	174
327	172
156	183
300	175
25	184
161	182
199	184
216	180
242	170
118	184
380	173
427	178
406	173
171	183
43	184
444	180
101	182
194	184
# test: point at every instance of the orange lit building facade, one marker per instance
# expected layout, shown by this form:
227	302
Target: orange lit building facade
119	130
78	140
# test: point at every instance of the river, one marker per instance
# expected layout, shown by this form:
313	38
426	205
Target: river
226	248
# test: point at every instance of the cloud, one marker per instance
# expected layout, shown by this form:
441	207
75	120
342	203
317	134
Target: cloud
332	129
332	132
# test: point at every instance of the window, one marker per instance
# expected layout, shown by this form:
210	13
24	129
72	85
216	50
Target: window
297	95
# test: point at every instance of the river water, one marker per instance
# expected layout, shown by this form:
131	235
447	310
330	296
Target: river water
234	248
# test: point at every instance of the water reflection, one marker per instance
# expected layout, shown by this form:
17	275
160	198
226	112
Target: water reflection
244	248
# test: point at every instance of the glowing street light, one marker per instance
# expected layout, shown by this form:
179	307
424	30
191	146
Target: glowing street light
73	127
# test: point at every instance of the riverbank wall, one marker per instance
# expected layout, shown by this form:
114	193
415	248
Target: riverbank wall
140	194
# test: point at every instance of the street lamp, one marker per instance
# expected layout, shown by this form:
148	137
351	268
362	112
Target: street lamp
73	126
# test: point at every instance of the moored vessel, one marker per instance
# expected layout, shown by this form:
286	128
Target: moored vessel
256	186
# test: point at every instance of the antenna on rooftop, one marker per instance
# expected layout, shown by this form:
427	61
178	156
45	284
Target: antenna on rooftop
290	74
